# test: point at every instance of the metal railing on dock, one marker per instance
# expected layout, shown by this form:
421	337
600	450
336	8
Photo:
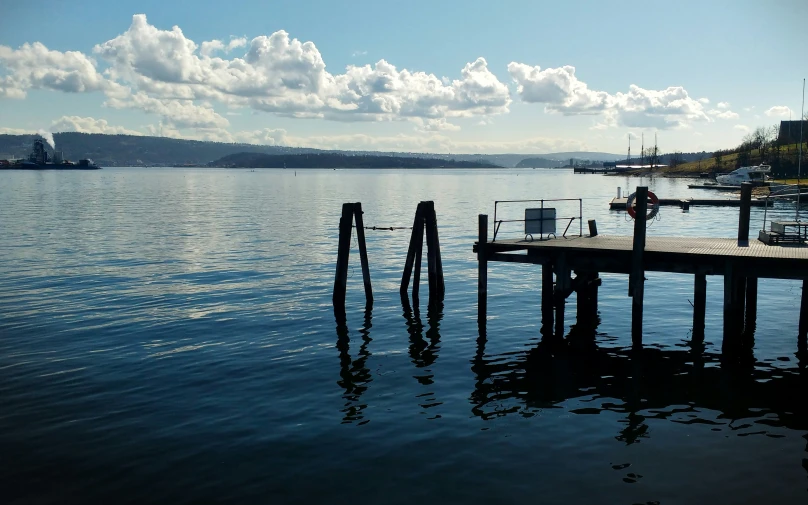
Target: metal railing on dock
541	218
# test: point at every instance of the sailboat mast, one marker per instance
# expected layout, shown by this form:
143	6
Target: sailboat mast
642	149
799	156
628	160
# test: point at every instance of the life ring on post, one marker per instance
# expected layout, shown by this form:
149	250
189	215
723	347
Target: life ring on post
653	206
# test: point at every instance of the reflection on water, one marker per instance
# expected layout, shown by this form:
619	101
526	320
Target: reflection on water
424	351
639	384
166	337
354	374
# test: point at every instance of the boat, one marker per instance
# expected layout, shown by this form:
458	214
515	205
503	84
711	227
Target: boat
757	175
39	159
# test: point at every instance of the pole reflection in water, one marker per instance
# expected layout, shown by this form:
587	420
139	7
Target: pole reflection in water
354	374
735	394
423	352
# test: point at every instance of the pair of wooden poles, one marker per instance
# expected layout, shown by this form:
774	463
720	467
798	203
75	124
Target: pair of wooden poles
425	221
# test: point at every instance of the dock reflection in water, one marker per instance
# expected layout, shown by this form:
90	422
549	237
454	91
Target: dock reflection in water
646	383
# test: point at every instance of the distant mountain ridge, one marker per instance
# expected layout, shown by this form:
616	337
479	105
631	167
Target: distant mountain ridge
339	160
132	150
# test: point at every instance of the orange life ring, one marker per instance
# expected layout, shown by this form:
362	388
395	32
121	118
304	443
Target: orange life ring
653	206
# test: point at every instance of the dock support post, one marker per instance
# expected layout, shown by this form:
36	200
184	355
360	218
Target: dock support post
750	321
743	217
363	252
728	316
563	281
699	307
637	277
803	328
587	299
734	298
547	297
482	267
593	228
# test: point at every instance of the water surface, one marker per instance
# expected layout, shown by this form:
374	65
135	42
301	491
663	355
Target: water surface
167	336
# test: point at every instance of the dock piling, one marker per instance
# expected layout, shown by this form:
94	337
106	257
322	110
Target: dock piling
744	215
562	286
699	306
750	321
637	276
349	212
425	220
482	267
363	251
547	296
803	328
593	228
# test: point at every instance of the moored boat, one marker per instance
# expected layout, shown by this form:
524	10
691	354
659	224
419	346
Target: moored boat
757	174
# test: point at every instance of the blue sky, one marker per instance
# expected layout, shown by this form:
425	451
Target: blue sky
539	76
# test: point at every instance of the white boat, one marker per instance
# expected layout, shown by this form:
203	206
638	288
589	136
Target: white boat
756	175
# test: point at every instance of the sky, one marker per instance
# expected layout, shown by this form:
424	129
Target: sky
459	76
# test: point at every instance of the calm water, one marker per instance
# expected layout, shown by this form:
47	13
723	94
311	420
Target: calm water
167	336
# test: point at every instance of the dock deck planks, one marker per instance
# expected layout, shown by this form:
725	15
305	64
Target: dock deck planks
668	254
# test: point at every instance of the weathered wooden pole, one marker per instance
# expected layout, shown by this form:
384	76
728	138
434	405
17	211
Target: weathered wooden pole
482	267
433	218
417	231
419	246
699	307
637	278
751	303
733	314
744	215
363	252
343	251
563	280
436	285
547	296
593	228
803	328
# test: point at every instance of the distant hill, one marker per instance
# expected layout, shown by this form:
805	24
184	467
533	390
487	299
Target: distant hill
539	163
583	155
130	150
339	160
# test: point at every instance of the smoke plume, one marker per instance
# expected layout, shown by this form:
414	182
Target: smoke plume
48	136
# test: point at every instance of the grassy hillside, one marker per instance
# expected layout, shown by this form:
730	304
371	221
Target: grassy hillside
783	160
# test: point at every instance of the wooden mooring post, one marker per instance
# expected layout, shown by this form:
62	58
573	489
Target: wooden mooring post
349	212
425	221
636	281
699	306
482	268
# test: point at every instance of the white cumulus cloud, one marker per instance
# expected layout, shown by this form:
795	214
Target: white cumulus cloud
88	125
560	90
35	66
778	111
285	76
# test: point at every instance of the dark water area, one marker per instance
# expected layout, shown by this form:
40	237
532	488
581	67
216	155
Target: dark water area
167	336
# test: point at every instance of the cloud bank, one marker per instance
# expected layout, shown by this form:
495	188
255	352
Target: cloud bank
191	87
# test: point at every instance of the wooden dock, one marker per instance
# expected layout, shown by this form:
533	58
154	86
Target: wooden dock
620	203
740	261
